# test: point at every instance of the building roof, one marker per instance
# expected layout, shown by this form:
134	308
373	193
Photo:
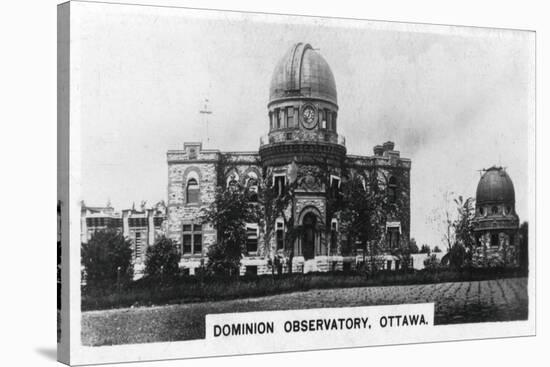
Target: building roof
303	72
495	186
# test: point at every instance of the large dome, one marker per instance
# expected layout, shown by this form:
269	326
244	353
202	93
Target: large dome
495	186
302	72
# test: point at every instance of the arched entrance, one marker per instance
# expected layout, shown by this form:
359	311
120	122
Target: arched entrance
310	233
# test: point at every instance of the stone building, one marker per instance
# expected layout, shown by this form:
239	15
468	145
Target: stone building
303	141
142	227
496	223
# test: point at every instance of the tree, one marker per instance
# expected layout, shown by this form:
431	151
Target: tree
463	239
436	249
425	249
366	207
413	247
229	213
278	203
456	256
462	225
442	219
454	220
162	259
107	259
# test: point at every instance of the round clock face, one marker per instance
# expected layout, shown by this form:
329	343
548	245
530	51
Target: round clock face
309	117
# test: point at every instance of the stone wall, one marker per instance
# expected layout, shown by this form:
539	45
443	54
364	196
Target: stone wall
178	210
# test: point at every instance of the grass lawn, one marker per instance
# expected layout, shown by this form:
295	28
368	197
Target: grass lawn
455	302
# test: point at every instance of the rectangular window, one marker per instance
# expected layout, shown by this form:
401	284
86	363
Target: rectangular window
280	120
393	238
192	239
251	238
187	243
290	117
388	265
197	243
280	236
333	236
329	119
137	222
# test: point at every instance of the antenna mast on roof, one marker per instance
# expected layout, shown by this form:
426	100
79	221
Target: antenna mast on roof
205	111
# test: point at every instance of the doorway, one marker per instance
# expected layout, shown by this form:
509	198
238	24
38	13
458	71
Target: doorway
310	233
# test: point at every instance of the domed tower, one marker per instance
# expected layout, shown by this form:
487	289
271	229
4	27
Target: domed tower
495	221
302	110
303	149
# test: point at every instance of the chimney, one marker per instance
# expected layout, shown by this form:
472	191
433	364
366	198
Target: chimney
388	146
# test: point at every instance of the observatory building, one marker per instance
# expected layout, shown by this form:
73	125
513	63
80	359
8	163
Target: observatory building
303	148
496	222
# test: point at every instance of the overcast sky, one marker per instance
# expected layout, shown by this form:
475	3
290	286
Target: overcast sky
454	100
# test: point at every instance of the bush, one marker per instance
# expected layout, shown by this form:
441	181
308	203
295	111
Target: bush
432	263
162	259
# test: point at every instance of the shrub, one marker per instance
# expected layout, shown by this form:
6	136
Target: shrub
432	263
458	258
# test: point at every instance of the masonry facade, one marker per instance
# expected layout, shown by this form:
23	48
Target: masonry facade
301	146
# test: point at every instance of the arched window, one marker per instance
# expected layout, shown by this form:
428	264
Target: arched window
335	186
309	235
363	182
232	181
252	187
233	185
192	191
392	189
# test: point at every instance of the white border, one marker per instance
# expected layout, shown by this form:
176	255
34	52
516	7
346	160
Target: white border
201	348
28	152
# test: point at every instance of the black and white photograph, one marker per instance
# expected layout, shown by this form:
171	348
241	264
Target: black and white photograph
247	182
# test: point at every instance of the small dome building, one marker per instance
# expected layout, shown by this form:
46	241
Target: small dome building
495	222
